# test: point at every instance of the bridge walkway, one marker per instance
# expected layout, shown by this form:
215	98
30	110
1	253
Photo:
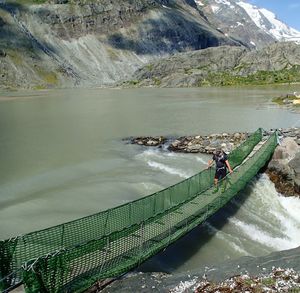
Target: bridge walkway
159	221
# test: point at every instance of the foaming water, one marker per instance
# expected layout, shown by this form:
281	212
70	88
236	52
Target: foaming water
265	218
169	170
253	232
170	163
201	160
256	222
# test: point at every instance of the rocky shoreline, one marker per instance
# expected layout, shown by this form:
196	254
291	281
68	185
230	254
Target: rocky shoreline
283	169
276	272
207	144
290	101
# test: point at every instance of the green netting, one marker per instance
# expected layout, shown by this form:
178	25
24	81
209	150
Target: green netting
77	268
110	223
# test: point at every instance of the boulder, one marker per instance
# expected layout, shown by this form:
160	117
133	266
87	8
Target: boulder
295	164
284	168
237	136
280	153
290	145
281	167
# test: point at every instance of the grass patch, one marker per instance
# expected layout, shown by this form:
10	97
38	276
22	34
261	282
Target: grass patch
39	87
15	57
49	77
268	282
149	67
133	82
157	81
258	78
282	100
187	71
112	54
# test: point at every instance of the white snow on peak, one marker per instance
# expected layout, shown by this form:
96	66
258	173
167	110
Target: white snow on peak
215	8
279	29
199	2
276	28
225	2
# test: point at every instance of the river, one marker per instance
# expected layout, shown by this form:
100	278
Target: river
62	157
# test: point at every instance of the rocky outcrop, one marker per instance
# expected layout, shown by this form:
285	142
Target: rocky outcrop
233	20
284	167
194	144
142	42
224	66
290	101
78	42
207	144
149	141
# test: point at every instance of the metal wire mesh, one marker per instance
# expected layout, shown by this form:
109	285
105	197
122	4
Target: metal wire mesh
110	237
75	269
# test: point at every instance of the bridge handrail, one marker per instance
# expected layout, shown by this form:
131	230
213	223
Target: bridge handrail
17	250
77	268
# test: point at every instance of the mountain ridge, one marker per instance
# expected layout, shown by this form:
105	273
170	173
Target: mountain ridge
67	43
54	45
255	27
224	65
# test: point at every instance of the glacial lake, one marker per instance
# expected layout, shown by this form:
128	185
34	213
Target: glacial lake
63	157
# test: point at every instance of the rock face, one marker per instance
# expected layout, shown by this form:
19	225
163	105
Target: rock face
284	168
78	42
82	42
224	66
253	26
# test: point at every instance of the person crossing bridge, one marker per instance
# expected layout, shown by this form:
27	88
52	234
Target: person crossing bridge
221	160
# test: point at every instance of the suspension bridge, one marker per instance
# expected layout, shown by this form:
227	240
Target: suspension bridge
73	256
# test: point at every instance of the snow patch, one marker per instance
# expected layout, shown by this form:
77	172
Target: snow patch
214	8
198	2
225	2
274	27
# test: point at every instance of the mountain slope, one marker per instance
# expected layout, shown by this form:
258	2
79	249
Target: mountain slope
69	43
95	42
224	65
268	22
255	27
